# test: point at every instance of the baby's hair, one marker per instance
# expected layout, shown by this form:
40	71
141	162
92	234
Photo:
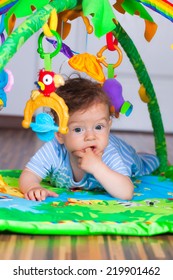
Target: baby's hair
80	93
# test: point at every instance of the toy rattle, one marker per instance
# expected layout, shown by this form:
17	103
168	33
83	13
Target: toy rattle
45	96
111	86
114	91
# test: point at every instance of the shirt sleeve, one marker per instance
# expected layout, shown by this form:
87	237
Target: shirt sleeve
46	159
124	159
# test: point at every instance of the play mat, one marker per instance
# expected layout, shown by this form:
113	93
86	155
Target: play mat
80	212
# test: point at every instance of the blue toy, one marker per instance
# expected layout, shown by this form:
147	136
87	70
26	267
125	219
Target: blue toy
3	83
6	83
44	127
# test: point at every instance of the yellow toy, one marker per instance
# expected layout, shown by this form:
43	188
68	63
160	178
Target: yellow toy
55	102
45	95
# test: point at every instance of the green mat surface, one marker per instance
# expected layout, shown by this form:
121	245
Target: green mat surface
88	213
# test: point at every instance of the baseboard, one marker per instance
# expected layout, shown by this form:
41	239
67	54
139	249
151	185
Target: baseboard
7	121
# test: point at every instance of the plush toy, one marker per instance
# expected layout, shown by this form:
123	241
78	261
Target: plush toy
114	91
6	83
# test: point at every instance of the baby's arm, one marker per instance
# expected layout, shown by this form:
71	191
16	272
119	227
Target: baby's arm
29	184
116	184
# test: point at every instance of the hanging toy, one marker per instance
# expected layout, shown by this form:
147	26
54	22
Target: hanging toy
89	64
6	83
114	91
3	83
111	86
102	58
46	96
47	83
84	62
44	127
6	77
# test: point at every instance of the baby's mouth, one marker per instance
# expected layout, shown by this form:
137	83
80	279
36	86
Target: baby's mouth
93	148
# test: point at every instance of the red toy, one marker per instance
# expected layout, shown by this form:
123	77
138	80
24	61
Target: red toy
48	81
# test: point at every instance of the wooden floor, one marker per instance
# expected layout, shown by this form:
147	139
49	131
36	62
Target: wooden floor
17	146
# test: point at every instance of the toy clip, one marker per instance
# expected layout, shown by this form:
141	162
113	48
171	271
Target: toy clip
110	42
102	58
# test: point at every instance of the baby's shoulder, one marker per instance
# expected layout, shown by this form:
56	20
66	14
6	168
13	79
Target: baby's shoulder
114	140
118	143
54	146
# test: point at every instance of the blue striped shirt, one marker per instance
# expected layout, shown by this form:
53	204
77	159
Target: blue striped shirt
52	160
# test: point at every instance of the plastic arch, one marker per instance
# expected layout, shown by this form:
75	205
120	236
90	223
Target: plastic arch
55	102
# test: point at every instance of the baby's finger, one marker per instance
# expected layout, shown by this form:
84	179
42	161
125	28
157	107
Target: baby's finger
30	195
36	195
50	193
26	196
41	194
78	154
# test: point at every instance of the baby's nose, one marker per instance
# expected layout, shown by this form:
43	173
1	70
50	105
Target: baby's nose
89	135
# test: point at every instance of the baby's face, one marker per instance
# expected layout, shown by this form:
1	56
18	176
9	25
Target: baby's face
88	129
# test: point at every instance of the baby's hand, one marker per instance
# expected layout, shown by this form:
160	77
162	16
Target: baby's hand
88	160
38	193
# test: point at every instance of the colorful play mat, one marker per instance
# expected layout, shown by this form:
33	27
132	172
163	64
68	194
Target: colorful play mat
81	212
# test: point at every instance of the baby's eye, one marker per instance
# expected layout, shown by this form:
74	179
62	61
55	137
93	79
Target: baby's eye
99	127
78	129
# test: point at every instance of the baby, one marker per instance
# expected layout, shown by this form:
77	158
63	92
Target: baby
88	156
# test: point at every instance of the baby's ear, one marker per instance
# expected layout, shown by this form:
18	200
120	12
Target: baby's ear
59	137
110	122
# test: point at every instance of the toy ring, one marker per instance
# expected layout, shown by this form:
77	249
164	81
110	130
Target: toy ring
99	54
58	48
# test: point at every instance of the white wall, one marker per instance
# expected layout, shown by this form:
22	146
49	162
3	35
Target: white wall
157	56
